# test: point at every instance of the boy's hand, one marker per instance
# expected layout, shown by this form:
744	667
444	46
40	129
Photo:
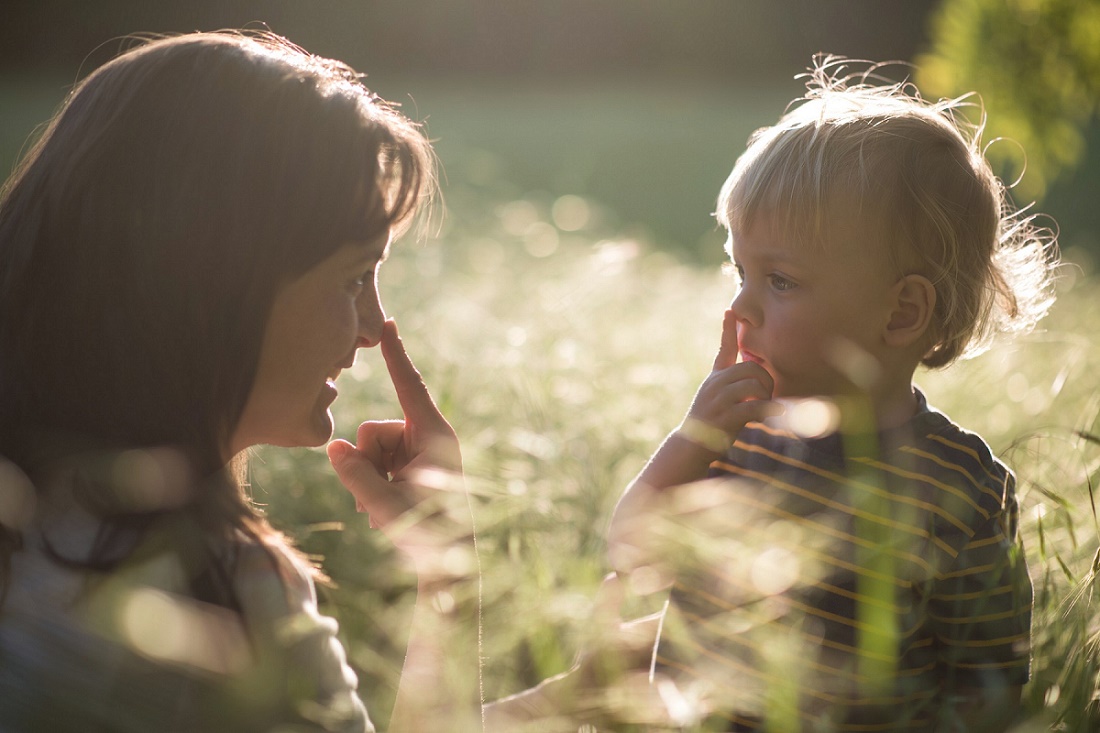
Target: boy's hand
399	464
734	394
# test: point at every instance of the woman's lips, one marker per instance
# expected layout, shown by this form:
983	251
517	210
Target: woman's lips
329	391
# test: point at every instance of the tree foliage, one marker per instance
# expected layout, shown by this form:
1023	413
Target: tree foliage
1036	66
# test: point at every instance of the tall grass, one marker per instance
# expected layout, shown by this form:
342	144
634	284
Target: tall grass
563	344
562	352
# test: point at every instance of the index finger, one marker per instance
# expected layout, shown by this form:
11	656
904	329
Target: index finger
412	393
727	352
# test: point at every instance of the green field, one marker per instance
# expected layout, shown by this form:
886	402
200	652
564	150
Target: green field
563	329
561	373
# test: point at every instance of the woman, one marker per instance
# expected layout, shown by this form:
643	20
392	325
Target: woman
188	258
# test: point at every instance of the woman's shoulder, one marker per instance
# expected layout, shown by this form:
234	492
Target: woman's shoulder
277	598
270	577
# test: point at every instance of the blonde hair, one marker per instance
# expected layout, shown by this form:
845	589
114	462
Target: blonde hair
913	176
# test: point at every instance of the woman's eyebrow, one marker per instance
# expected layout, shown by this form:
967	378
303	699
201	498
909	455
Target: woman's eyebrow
368	252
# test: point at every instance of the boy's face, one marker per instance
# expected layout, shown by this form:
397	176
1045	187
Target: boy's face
811	314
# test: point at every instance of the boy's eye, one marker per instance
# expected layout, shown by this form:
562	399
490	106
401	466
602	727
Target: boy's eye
781	283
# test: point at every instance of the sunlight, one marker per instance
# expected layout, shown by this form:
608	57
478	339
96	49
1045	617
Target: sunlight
145	480
1016	387
517	216
516	336
775	570
485	255
540	239
854	363
570	213
174	629
810	418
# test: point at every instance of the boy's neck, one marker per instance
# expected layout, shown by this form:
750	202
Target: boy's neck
885	409
893	397
896	407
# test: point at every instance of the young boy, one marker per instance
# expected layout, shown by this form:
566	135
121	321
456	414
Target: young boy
860	573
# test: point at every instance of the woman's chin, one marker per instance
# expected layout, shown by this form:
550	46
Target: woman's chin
315	431
322	430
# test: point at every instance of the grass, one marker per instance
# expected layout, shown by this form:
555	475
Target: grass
561	373
562	340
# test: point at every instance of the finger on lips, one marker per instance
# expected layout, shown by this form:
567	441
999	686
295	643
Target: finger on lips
746	389
727	351
748	372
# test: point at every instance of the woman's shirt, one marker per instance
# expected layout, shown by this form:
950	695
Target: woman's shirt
133	650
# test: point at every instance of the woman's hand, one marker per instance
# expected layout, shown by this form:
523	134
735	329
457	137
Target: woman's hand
405	472
408	475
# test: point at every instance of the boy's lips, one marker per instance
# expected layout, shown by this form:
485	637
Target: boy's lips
747	355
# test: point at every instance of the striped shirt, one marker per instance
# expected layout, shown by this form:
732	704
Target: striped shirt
859	582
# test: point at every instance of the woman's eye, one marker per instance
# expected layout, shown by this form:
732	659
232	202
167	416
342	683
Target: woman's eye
362	280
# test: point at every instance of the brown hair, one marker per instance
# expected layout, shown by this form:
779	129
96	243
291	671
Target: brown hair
144	236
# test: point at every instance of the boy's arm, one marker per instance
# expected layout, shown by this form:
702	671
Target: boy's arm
684	456
733	395
678	461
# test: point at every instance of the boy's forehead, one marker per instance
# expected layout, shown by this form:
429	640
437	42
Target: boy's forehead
801	234
774	236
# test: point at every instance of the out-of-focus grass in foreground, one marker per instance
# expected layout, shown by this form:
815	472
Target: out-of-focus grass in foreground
562	353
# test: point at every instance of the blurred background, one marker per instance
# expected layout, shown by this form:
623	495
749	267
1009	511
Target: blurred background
639	106
571	301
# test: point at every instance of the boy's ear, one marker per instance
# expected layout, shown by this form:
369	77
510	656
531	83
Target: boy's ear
913	301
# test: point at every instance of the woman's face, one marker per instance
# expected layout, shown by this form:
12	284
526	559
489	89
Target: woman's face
317	323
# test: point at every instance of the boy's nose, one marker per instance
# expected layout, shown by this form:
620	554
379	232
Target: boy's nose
744	308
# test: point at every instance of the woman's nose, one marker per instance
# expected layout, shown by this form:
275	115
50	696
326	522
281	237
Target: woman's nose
371	319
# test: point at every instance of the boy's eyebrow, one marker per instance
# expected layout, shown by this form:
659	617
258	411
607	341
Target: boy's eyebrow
770	257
